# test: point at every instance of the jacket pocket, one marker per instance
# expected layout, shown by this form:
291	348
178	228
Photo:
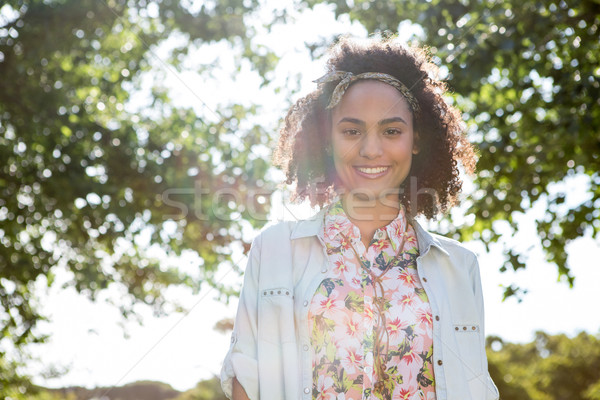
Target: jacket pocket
470	350
276	293
276	315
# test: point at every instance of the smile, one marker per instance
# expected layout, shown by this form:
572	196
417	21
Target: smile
372	172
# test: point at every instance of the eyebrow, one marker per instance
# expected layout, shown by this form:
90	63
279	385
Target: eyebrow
380	123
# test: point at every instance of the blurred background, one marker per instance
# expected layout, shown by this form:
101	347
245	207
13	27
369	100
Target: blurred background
135	139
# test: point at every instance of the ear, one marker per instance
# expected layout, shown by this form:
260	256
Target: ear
416	149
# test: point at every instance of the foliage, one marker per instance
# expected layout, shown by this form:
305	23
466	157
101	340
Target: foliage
12	384
140	390
82	175
526	74
209	389
91	180
42	394
224	325
552	367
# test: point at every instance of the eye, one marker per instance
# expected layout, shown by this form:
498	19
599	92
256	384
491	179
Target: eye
351	132
393	131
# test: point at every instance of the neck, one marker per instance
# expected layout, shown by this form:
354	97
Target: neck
370	214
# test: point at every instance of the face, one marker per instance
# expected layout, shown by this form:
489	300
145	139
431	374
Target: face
372	140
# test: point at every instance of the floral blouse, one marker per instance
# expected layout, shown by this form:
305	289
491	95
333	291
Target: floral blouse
344	321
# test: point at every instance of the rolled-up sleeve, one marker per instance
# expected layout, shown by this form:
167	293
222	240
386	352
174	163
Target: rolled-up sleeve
485	381
241	360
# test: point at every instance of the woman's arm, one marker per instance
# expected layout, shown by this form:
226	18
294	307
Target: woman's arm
238	391
241	362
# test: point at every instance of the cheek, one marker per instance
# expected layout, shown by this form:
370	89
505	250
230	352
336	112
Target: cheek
339	165
405	150
340	153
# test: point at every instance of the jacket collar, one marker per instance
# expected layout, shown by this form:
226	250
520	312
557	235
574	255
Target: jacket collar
313	226
425	239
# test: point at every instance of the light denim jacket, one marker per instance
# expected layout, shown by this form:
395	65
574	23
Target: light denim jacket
270	343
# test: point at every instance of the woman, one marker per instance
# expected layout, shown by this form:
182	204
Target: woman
360	302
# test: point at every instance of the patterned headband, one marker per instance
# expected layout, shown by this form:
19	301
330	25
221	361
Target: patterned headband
347	78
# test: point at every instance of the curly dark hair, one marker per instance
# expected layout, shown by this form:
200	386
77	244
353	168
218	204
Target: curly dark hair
301	152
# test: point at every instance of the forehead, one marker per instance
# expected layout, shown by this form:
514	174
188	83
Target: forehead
372	97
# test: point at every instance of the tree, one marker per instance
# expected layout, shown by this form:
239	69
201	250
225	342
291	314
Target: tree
209	389
526	74
12	384
86	173
551	367
146	390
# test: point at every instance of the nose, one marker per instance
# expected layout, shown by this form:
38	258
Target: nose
371	146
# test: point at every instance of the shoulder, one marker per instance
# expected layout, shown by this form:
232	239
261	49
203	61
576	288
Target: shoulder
274	234
460	259
278	238
454	251
457	260
278	228
454	247
449	247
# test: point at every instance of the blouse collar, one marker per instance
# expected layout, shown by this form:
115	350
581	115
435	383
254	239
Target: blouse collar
314	226
337	224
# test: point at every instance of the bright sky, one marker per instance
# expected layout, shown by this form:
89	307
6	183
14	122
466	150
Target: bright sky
183	349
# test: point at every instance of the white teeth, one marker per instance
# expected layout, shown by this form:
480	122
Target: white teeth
372	170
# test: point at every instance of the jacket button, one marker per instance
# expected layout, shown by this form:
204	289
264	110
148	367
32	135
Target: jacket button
424	279
305	303
305	347
306	390
437	317
440	362
323	270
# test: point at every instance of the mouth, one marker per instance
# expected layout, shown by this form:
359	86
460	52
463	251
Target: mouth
371	173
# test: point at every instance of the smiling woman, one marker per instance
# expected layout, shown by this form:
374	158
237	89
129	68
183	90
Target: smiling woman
360	301
306	138
373	142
